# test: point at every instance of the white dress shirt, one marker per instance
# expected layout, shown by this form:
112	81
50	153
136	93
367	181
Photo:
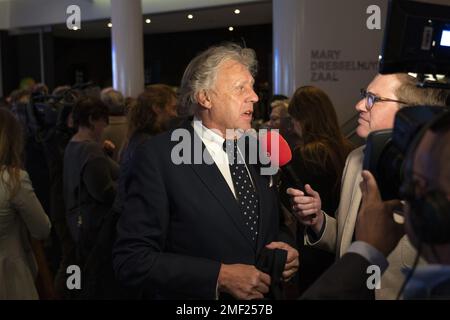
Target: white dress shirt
213	142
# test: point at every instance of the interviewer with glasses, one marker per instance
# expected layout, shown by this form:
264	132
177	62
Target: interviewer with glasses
372	98
384	96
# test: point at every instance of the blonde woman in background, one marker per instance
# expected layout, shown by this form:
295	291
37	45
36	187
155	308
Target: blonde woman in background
22	218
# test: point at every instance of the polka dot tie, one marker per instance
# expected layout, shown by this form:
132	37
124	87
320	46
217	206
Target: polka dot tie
244	189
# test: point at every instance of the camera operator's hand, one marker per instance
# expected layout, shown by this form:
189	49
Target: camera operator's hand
308	209
375	223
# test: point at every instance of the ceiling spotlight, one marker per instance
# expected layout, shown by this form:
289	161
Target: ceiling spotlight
190	16
231	28
75	28
237	11
109	25
148	20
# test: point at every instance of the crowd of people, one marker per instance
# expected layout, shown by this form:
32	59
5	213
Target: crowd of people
87	178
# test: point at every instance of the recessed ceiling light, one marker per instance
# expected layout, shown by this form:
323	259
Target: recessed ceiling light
190	16
148	20
237	11
231	28
109	25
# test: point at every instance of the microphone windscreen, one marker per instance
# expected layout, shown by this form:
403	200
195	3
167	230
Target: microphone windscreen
276	147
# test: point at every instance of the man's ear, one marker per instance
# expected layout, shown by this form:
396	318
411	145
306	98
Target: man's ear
156	109
204	99
91	122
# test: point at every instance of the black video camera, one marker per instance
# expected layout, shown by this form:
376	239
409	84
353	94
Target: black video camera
416	40
385	152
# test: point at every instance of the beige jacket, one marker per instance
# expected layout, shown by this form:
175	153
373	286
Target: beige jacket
20	217
338	233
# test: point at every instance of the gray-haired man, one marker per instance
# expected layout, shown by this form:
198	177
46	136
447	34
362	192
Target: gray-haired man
195	230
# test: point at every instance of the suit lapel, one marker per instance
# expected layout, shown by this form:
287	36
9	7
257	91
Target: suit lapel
212	178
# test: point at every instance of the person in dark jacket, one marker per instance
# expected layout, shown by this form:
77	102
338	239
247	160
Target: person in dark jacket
192	231
89	181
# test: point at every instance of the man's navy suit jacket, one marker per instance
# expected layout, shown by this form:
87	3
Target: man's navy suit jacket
180	222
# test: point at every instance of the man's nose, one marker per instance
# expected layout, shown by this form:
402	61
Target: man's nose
253	96
361	105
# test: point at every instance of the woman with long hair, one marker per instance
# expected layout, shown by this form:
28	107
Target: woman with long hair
318	159
322	147
22	218
154	112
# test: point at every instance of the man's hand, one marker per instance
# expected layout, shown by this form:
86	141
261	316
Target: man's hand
292	263
308	209
243	282
109	147
375	223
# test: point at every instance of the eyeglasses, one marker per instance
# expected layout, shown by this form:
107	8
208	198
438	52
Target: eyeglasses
371	99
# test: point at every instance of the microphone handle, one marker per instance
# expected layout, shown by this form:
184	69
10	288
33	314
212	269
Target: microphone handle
298	184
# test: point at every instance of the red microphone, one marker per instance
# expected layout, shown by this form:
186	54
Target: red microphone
276	148
280	154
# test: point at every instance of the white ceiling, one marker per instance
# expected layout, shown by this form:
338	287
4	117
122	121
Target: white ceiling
218	17
16	14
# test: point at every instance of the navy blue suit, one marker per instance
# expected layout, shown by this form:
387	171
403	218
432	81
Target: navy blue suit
180	222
